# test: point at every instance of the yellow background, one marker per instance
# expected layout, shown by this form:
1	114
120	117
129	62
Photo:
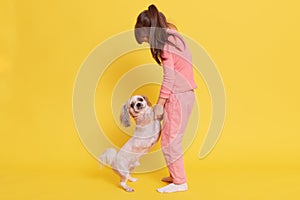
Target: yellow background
255	45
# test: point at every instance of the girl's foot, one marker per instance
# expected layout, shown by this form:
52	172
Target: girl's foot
173	188
167	179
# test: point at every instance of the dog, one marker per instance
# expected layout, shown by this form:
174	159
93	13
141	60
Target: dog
146	134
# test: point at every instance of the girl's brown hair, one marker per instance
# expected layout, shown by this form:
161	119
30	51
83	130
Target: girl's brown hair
153	25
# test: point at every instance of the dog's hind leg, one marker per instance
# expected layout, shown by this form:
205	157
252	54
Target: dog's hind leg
124	185
131	179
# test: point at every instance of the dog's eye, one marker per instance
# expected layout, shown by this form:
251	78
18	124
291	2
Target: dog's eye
132	105
140	99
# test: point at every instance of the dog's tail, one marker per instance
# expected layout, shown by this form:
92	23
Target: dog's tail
108	156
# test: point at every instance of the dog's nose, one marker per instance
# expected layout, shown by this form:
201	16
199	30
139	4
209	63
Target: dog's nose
139	105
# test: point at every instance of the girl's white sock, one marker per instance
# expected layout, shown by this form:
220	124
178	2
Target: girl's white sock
173	188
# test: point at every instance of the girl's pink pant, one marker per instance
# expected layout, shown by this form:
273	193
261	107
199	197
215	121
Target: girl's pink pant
178	109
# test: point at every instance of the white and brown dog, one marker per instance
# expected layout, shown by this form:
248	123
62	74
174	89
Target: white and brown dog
146	134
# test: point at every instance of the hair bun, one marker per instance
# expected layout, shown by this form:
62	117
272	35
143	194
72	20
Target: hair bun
152	7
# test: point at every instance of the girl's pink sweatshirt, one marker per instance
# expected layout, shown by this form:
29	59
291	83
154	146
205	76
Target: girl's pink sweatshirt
177	66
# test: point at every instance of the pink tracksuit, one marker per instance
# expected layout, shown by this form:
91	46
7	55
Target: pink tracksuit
177	87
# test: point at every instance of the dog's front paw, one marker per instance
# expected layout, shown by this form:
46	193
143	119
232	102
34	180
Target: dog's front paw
158	112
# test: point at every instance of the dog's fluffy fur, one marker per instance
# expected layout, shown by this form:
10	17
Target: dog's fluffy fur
146	134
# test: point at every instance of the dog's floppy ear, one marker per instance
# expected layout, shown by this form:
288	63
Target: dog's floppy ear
147	100
125	117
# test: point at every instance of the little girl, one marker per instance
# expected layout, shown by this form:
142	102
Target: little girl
177	91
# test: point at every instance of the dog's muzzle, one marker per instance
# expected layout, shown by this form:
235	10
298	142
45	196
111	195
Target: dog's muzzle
139	106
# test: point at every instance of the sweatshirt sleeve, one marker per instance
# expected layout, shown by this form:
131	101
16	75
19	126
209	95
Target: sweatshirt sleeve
169	75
